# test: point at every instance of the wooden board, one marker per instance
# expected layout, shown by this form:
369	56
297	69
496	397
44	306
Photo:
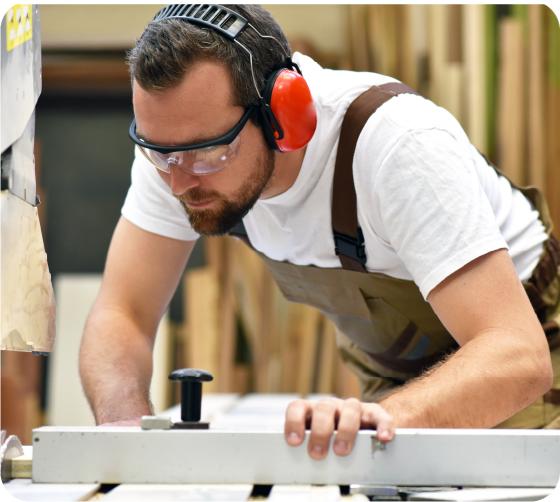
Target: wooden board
172	493
536	84
26	296
475	75
511	112
24	489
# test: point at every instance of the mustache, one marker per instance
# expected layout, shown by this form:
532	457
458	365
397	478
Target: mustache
197	195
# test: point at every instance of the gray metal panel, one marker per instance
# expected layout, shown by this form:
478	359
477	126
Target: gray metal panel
416	457
20	76
18	165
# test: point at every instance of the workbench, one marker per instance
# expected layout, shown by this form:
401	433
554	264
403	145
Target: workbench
243	456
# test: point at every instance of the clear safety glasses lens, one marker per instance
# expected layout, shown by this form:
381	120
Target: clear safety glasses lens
199	162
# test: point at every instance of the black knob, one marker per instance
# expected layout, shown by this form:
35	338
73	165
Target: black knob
191	391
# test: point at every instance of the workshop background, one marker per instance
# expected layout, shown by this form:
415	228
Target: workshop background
496	68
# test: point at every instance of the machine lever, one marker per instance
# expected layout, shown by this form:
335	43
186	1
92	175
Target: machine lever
191	393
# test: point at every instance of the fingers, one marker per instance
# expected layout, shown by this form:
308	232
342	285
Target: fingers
323	419
348	426
346	416
374	415
297	414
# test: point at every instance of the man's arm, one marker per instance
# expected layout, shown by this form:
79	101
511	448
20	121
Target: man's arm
141	275
503	363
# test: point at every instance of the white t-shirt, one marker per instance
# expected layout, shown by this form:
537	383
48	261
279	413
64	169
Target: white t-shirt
428	203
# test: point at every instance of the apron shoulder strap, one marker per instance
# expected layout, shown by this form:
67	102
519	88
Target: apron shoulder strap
348	236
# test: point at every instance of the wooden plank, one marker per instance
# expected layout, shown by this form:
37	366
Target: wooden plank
183	492
20	386
474	52
437	19
255	412
304	493
419	39
307	330
26	294
220	259
553	115
491	78
357	38
203	337
408	65
24	489
511	111
484	495
326	371
21	466
536	111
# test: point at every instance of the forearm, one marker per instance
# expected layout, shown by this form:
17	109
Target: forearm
483	383
115	366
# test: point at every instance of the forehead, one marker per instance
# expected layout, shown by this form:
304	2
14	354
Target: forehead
199	106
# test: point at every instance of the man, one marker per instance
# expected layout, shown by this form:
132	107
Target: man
434	318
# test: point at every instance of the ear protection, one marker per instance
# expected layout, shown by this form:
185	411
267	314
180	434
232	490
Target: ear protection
287	114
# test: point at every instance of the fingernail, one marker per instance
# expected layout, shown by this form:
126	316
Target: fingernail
384	436
340	446
318	449
293	437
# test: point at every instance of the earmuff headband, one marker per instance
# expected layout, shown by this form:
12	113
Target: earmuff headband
228	22
225	21
287	114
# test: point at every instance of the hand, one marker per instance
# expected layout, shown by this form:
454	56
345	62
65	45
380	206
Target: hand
122	423
324	416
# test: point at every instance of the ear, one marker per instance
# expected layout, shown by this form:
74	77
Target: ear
289	114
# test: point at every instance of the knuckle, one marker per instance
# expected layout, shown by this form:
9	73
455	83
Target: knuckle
325	406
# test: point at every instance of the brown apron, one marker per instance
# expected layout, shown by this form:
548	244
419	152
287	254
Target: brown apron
386	332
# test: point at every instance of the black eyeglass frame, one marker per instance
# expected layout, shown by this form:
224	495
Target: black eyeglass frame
225	139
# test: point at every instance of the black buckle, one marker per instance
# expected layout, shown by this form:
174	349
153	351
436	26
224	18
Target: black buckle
350	246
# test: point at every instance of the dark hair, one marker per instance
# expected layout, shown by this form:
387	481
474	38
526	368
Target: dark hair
167	48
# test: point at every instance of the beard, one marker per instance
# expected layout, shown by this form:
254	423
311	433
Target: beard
229	212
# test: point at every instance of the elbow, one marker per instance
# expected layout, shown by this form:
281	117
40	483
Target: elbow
542	373
548	375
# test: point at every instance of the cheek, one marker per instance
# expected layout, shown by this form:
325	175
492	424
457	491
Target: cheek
165	177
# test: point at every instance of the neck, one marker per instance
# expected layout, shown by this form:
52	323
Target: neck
286	170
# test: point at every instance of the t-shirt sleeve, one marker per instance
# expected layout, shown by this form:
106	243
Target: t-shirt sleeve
150	205
433	209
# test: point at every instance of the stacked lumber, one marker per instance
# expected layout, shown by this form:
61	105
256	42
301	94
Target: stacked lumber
496	68
239	326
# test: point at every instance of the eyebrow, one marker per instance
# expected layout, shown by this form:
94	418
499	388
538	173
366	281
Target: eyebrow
197	139
193	141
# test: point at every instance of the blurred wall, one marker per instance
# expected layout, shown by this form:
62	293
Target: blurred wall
116	26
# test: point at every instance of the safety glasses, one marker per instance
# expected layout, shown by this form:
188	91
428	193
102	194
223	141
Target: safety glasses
200	159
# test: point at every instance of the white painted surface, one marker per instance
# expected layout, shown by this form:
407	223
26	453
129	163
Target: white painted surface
66	401
415	457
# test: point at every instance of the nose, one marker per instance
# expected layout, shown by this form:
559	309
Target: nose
180	180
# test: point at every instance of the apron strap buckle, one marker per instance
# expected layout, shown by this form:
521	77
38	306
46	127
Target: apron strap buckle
352	247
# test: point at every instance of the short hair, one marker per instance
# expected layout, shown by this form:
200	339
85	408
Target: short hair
167	48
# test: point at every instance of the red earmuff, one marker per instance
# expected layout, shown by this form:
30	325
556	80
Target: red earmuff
293	109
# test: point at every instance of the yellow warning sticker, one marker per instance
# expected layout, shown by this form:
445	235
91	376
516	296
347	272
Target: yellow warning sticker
19	25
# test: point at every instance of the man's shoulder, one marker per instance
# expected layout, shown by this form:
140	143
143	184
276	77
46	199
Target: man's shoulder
336	88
